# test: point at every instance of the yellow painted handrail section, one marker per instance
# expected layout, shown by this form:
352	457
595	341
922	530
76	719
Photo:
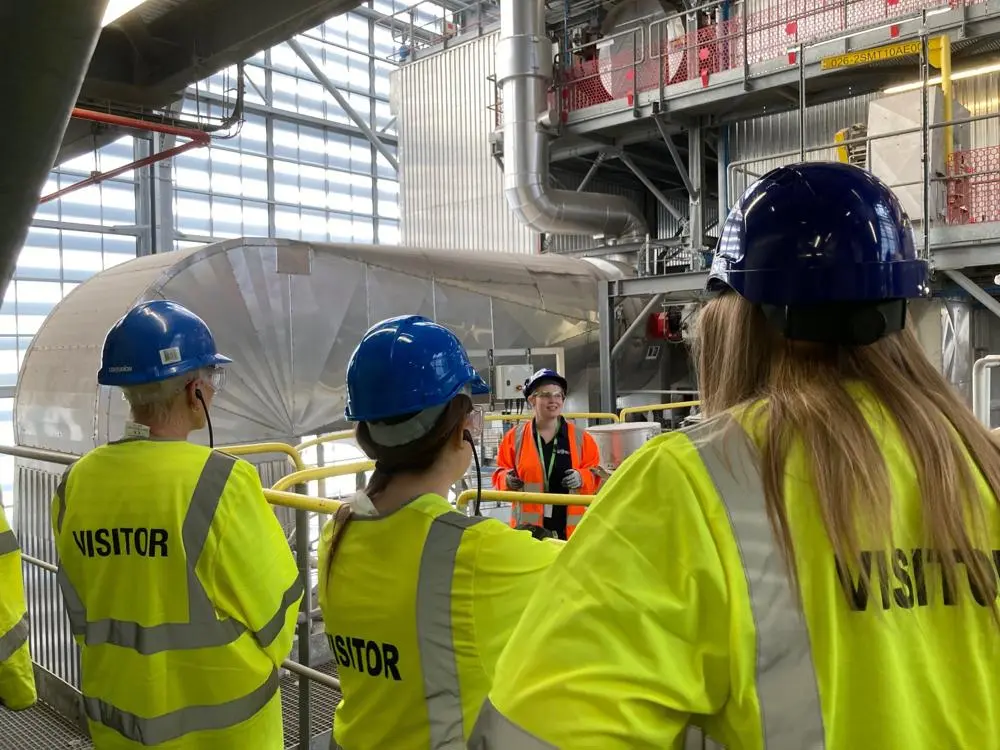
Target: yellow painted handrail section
542	498
569	415
328	438
249	449
301	502
656	407
322	472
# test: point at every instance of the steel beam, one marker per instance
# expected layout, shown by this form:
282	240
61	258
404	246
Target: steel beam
634	325
696	167
606	321
975	291
627	161
676	156
363	126
689	285
591	172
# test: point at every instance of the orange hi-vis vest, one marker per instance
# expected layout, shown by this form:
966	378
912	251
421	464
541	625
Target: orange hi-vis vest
519	452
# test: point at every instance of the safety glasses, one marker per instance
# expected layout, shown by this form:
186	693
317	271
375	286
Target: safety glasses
216	379
550	395
474	422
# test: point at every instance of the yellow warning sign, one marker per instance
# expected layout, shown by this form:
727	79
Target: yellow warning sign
866	56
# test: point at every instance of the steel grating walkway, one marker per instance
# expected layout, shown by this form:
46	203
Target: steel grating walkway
42	728
39	728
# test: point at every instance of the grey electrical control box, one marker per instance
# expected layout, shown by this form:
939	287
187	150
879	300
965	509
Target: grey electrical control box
509	381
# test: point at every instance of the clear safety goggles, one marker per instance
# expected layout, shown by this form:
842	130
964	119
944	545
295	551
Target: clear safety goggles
474	422
550	395
215	379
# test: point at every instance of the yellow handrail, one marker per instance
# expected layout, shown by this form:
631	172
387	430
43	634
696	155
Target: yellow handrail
248	449
301	502
328	438
505	496
569	415
656	407
322	472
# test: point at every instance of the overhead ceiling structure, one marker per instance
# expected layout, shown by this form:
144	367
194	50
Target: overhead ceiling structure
141	57
147	56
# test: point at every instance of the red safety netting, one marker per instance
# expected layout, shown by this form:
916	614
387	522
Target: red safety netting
974	186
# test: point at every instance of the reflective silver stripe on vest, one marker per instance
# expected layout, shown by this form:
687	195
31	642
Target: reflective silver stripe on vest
787	690
14	638
8	542
494	731
160	729
442	690
791	715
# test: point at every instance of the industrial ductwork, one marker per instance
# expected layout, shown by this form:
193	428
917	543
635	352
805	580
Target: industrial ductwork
524	71
47	48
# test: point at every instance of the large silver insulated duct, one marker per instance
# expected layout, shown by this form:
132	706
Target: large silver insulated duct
45	50
524	71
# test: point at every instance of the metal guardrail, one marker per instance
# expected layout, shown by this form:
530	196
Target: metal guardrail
656	407
500	417
506	496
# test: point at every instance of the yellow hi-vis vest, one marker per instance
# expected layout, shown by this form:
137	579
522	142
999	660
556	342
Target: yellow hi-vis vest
671	605
182	593
17	678
417	608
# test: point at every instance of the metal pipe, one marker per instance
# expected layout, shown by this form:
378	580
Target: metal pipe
591	172
62	34
946	93
627	161
634	325
524	72
925	138
675	155
363	126
323	679
981	387
152	126
99	177
802	103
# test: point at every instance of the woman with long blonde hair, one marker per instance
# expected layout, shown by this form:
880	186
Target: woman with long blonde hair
813	566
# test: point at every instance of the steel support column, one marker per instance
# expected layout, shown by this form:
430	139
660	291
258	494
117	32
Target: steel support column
591	172
358	120
606	321
627	161
696	168
676	156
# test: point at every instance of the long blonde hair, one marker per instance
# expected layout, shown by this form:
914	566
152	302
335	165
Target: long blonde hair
741	359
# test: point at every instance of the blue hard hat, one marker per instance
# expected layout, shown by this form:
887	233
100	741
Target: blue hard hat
404	365
544	376
154	341
818	232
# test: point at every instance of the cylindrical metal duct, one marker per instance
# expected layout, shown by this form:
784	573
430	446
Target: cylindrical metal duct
524	70
45	49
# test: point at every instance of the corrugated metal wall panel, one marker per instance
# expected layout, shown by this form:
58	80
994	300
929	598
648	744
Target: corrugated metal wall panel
451	188
762	137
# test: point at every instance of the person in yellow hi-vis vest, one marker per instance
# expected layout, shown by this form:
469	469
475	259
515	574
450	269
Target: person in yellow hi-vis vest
417	599
811	567
17	678
180	587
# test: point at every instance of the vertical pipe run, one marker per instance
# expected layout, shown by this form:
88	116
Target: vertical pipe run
606	322
802	103
305	625
947	96
925	136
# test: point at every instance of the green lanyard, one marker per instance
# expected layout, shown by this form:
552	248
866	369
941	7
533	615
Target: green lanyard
546	473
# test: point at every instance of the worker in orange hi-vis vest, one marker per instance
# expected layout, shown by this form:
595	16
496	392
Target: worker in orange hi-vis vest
547	454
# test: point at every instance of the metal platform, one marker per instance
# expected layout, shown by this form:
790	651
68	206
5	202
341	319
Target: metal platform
42	728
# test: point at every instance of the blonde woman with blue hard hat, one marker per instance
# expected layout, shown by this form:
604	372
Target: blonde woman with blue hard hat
814	565
418	600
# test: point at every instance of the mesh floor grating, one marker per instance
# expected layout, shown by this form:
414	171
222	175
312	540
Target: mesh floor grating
39	728
322	703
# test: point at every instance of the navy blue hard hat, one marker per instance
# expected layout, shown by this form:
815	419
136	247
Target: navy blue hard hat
154	341
544	376
404	365
818	232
